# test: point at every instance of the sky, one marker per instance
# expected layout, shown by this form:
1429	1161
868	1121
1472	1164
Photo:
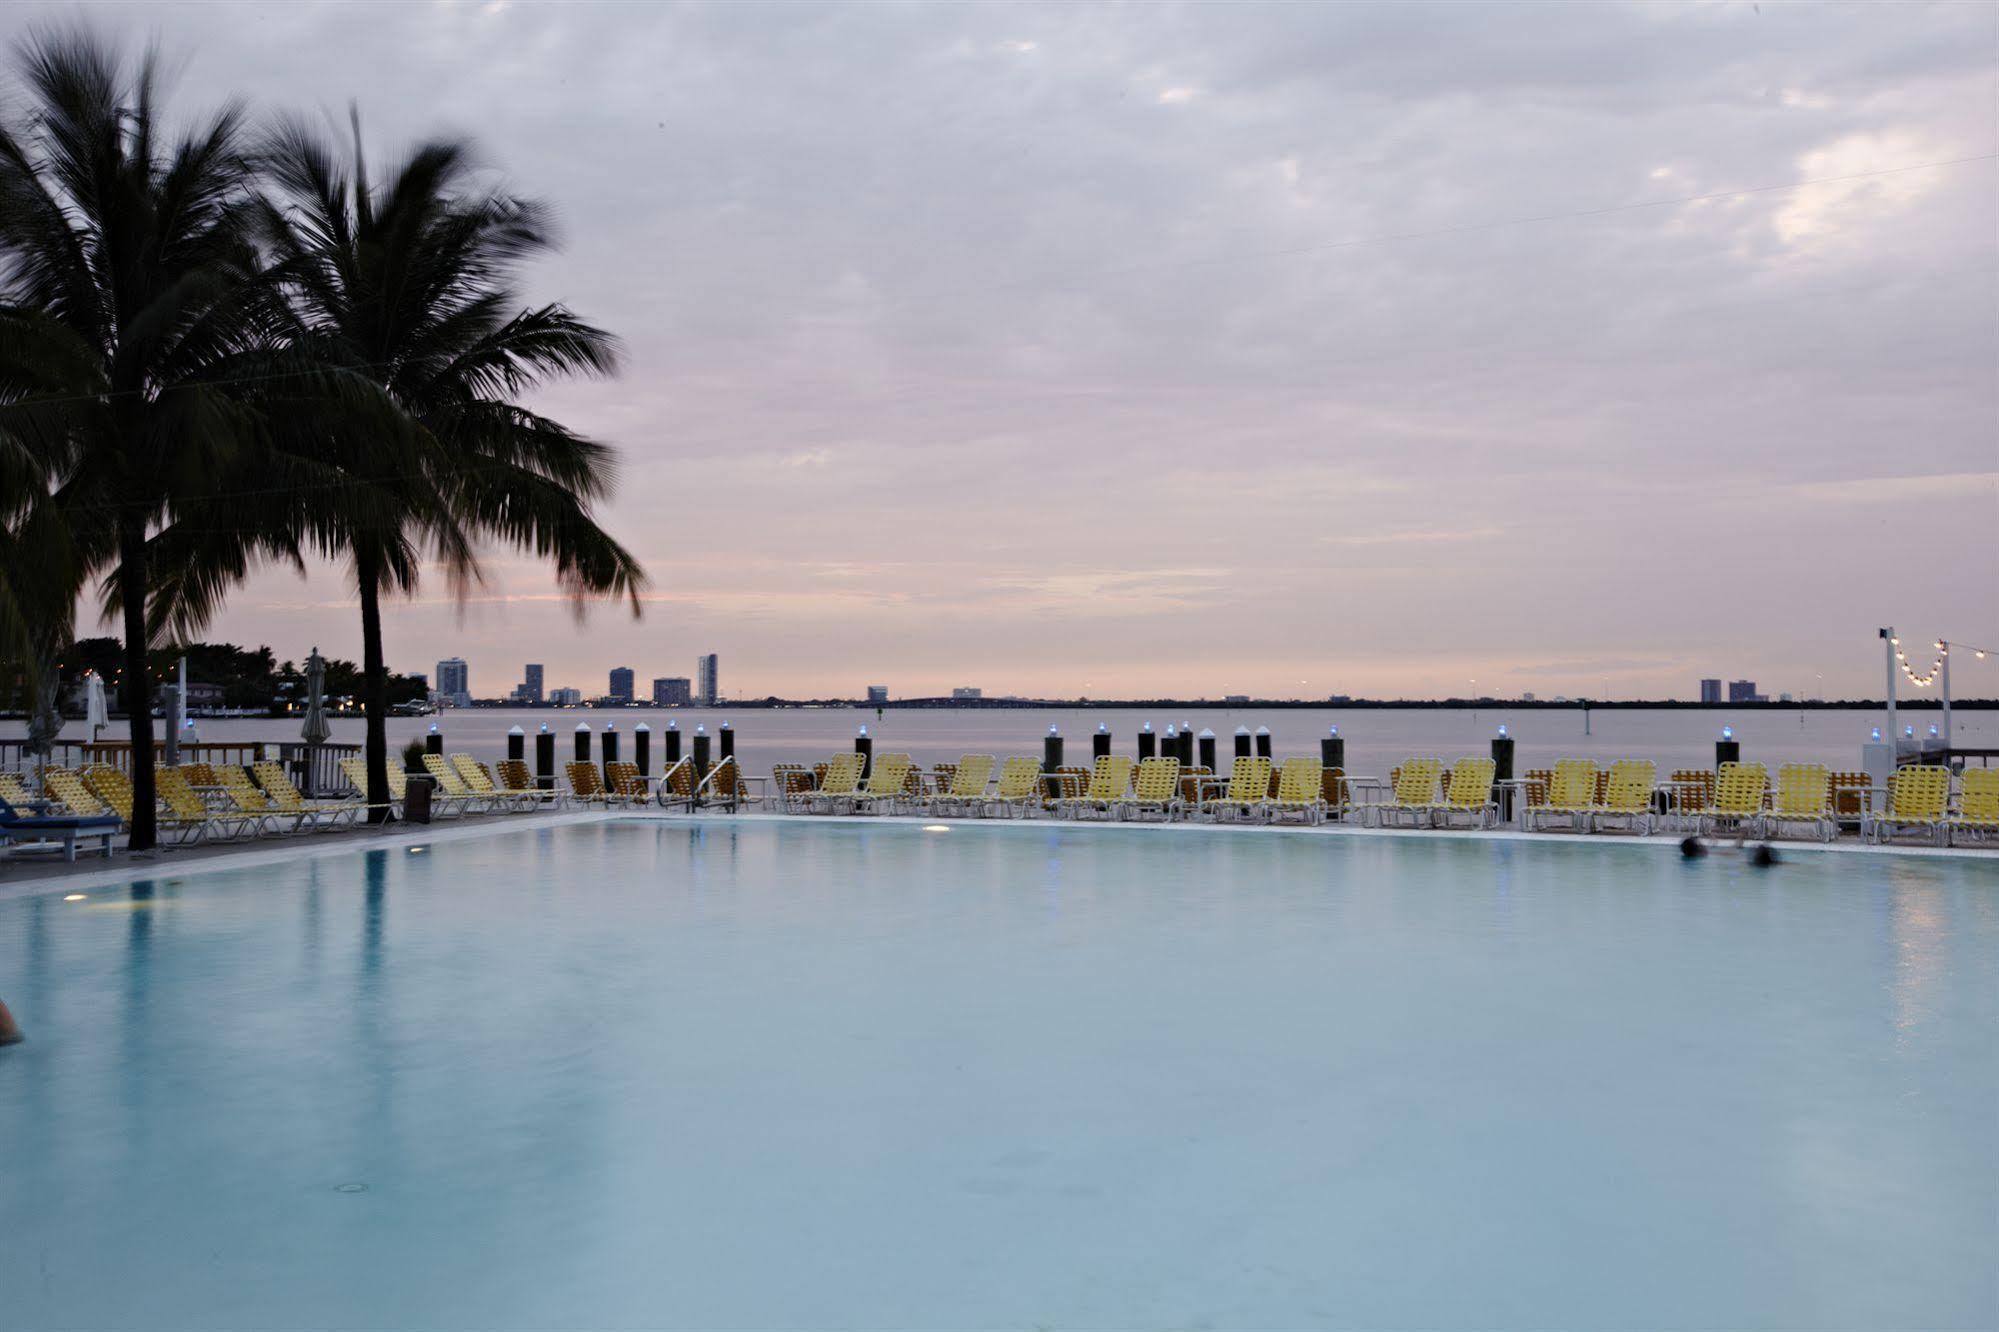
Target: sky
1295	350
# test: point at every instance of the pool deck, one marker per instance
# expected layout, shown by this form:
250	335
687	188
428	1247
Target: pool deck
28	877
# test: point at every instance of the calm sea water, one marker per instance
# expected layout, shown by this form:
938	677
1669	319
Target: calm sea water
785	1074
1376	738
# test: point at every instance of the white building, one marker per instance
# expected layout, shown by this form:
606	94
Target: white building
965	693
707	680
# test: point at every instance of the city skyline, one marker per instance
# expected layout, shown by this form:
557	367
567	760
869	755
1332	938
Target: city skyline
1181	354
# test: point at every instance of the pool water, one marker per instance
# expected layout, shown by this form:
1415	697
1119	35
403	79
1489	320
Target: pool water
649	1074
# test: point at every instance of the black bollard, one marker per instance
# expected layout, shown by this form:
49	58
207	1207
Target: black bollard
1502	770
1186	744
1207	749
610	748
1242	742
700	753
642	748
1169	744
728	749
517	744
544	758
1100	742
433	743
1333	750
1051	750
864	745
1148	743
582	742
1263	742
672	744
1727	749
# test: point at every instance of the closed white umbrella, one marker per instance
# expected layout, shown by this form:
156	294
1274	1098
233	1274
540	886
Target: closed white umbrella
96	712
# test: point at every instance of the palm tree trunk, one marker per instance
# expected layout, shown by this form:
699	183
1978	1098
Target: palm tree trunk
374	684
132	585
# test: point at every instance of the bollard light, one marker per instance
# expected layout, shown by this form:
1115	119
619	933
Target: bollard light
1502	730
1728	733
1877	735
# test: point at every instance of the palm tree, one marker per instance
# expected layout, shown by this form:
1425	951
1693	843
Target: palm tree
126	290
410	284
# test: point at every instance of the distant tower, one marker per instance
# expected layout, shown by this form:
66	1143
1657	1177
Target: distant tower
454	682
707	682
621	684
531	689
1710	691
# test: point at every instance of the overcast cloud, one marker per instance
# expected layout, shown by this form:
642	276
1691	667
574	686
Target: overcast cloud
1209	349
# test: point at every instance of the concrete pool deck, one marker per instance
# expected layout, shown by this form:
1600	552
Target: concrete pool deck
28	878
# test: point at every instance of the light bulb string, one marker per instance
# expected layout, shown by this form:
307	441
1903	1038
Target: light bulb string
1929	677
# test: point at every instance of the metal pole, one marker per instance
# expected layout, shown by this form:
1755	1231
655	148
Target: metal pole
1888	657
1943	650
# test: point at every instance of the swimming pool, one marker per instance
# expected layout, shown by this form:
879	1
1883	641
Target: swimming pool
789	1074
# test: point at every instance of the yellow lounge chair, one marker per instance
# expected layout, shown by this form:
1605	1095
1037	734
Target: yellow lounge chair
841	784
1300	791
515	781
625	782
479	780
1414	795
1248	791
67	787
453	788
727	784
191	813
887	784
1977	817
1468	795
15	793
1018	791
1918	802
1803	796
1156	790
114	788
243	795
1739	789
968	786
1627	796
586	784
355	770
1110	778
1571	797
330	813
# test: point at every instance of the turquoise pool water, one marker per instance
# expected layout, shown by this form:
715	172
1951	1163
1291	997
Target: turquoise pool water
785	1075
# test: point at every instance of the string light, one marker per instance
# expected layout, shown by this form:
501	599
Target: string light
1929	677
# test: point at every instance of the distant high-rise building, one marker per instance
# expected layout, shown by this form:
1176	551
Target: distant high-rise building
672	691
530	690
1710	691
966	693
454	682
707	680
565	698
621	684
1527	697
1742	691
877	693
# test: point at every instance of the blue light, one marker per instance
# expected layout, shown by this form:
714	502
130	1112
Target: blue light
1333	731
1877	733
433	728
1103	728
863	730
701	728
1728	733
1502	730
673	723
1908	732
544	728
1933	732
1054	730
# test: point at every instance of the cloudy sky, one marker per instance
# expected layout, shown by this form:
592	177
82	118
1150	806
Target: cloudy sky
1199	349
